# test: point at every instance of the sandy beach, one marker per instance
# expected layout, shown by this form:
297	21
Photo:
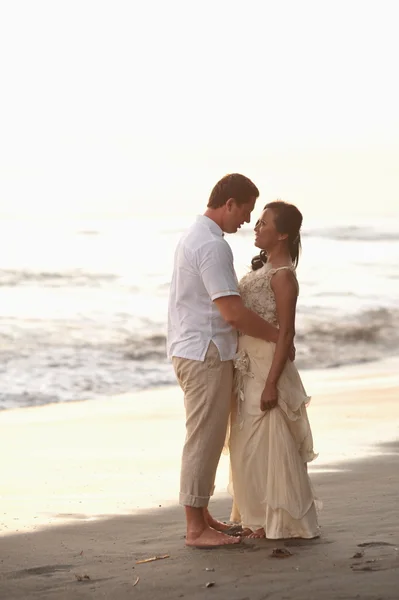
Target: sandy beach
89	488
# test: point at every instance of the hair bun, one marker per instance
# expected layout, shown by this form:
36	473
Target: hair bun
258	261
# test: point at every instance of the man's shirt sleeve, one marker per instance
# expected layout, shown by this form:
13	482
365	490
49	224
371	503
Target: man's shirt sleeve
215	263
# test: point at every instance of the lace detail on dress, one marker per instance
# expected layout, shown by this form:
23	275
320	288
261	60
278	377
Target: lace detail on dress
257	294
241	370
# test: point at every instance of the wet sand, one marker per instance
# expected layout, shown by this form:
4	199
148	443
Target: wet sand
89	488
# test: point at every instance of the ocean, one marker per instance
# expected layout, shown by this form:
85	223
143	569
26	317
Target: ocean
83	305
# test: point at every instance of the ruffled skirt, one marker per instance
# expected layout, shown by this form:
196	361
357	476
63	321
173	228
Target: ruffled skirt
269	451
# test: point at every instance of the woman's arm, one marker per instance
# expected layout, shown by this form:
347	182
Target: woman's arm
285	288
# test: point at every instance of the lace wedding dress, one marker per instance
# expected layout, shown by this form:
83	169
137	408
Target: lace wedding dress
269	450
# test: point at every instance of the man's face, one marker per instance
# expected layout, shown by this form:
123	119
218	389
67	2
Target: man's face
236	214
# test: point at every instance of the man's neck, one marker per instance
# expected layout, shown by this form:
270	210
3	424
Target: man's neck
215	215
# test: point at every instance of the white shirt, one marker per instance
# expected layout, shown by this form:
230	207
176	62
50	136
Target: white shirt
203	271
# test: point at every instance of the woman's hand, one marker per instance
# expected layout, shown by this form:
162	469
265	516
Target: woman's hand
269	397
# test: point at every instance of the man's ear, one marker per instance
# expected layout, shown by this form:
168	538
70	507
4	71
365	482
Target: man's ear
229	204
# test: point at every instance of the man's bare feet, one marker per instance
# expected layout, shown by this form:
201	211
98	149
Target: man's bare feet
214	523
210	538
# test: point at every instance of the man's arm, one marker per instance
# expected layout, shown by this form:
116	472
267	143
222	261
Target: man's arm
245	320
218	276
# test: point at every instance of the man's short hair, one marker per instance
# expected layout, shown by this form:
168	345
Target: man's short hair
234	186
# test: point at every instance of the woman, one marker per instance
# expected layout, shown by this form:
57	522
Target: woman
270	438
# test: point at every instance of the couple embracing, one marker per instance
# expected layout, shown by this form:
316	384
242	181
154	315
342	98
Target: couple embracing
231	344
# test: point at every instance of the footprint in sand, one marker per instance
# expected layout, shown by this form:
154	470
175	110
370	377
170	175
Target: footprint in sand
45	570
380	557
374	544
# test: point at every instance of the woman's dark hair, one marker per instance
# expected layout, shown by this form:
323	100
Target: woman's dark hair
287	219
234	186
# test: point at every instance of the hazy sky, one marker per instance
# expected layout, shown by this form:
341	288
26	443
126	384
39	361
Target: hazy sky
117	106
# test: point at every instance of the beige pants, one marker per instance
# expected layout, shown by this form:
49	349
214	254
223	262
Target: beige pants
207	388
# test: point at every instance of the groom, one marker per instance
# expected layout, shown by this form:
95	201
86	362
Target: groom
205	312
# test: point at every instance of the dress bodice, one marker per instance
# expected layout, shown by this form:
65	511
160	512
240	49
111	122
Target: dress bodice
257	293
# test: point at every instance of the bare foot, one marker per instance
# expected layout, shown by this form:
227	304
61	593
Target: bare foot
215	524
257	534
246	532
210	538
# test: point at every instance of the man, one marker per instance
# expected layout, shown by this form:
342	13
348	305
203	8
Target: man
205	312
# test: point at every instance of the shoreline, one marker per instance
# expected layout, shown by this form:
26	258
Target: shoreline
383	372
121	454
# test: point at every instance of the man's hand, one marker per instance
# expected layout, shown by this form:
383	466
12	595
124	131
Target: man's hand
269	397
292	353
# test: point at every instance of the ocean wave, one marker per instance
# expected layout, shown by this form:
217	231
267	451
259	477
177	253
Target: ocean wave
147	348
350	233
12	278
321	341
53	361
365	336
367	325
62	374
353	233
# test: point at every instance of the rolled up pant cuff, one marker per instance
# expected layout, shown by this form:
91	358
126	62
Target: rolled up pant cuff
194	501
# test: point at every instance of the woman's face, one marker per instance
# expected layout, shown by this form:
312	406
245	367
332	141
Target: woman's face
266	234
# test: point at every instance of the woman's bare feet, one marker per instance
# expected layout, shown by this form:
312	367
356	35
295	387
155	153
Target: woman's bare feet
210	538
257	534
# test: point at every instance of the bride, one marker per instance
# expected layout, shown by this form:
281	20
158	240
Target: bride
270	437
